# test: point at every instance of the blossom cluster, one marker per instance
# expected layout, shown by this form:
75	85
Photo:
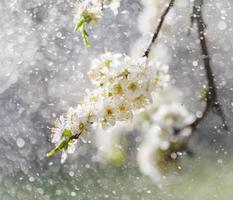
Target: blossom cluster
89	12
166	138
123	86
168	126
163	127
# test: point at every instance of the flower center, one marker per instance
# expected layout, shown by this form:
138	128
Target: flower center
133	86
109	112
81	127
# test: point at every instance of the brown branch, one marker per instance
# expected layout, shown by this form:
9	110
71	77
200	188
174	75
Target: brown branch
75	137
212	97
102	5
158	29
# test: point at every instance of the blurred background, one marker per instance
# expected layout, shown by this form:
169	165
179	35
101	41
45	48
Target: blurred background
43	71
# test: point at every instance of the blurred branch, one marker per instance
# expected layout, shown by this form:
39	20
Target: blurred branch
102	5
158	29
212	96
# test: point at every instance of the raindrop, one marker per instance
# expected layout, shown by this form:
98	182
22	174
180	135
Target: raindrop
20	142
222	25
195	63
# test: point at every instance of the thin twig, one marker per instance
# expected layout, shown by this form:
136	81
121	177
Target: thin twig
158	29
212	97
75	137
102	5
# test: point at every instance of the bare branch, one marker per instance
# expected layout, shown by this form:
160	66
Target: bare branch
158	29
212	97
102	5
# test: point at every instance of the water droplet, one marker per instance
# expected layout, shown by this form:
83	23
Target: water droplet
73	194
173	155
222	25
31	179
195	63
20	142
71	173
220	161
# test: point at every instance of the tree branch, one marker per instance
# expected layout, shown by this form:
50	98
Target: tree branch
212	96
158	29
102	5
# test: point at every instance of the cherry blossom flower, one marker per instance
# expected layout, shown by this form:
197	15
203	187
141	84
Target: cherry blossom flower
123	86
89	12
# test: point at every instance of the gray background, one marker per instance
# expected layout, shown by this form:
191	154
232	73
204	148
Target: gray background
43	67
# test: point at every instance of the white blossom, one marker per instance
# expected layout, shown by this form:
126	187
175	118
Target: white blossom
57	131
160	123
88	11
147	154
93	9
174	116
123	86
79	120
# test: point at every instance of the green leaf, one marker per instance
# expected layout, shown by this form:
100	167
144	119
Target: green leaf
81	27
52	153
79	24
88	19
62	145
67	133
117	157
85	37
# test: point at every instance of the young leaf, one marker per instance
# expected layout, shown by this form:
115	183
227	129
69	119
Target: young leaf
62	145
79	24
81	27
85	38
67	133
